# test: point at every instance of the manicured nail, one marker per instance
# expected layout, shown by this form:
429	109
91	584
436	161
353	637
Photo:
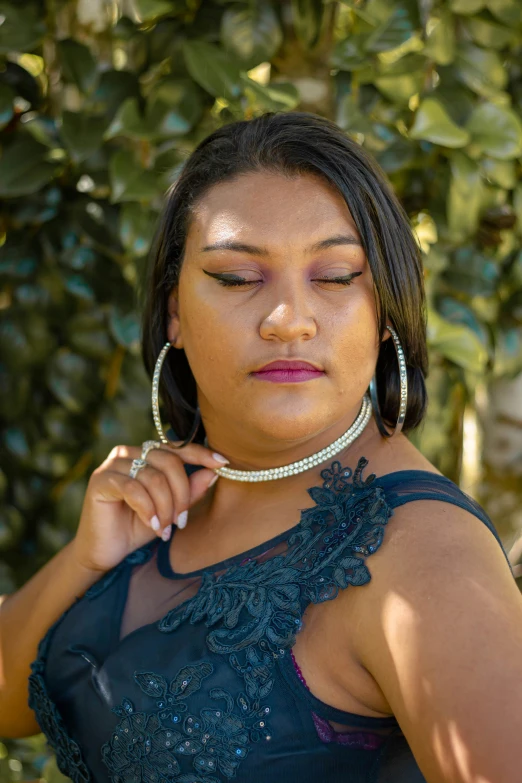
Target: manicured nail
155	523
182	519
220	458
166	533
213	481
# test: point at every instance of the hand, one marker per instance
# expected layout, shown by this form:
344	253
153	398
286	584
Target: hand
121	514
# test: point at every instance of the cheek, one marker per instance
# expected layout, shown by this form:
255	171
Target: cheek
354	337
212	343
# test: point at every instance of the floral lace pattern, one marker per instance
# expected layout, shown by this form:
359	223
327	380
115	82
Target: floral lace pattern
147	745
68	754
255	610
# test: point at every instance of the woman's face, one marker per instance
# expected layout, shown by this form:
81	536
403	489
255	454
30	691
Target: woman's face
287	237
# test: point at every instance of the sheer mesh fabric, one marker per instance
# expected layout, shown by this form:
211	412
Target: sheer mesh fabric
154	589
158	675
151	594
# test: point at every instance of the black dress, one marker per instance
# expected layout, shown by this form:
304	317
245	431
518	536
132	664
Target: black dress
159	677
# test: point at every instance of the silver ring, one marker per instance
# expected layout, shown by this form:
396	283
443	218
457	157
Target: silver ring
147	445
137	465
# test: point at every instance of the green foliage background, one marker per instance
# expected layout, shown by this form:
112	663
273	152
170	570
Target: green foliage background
101	101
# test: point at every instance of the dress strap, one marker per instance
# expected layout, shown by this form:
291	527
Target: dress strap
404	486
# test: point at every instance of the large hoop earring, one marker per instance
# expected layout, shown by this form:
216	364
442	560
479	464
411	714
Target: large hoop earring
403	375
155	404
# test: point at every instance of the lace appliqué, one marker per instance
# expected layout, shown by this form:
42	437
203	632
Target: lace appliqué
150	746
68	754
258	607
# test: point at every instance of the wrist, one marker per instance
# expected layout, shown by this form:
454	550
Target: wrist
89	573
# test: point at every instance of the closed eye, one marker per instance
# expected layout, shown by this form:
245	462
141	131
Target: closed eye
229	280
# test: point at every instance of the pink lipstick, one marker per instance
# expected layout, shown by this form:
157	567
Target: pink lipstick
285	371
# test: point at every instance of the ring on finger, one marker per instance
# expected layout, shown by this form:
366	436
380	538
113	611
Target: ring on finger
137	465
147	445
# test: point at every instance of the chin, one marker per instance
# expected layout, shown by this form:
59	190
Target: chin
290	427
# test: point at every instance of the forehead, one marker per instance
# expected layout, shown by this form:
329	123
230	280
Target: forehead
274	209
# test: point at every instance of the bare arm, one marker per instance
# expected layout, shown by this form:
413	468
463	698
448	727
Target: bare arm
116	519
441	633
25	617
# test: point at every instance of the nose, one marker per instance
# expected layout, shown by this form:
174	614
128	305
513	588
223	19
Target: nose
290	316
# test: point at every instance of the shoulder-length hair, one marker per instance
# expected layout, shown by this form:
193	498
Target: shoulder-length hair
295	143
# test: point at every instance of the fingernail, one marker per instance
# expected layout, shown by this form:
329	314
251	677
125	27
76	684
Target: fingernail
182	519
166	533
215	478
220	458
155	523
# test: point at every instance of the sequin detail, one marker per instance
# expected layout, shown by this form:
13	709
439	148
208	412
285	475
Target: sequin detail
256	608
68	754
146	746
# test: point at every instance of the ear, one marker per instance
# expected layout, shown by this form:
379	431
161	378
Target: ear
387	334
174	325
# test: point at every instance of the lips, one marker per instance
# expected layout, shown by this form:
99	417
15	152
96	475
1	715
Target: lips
284	371
289	366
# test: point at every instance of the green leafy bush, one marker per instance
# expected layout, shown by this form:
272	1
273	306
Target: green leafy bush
98	111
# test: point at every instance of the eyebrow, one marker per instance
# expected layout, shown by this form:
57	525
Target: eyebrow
241	247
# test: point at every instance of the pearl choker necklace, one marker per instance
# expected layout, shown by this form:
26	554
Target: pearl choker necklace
301	465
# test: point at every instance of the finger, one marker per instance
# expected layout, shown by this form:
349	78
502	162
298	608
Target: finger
193	453
182	493
199	483
158	487
113	485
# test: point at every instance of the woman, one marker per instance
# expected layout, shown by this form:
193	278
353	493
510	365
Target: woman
376	638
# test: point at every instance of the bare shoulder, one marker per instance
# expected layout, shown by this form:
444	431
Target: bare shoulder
439	627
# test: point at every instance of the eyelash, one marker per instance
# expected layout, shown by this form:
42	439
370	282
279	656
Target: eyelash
228	283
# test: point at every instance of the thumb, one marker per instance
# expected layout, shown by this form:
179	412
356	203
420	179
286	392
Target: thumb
199	483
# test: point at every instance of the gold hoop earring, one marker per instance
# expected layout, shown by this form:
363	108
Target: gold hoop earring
155	404
403	376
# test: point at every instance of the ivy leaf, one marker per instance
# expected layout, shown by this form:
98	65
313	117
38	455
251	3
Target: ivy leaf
82	133
278	96
252	34
434	124
129	181
491	35
497	131
398	28
501	172
467	6
308	17
213	69
457	343
125	328
136	228
464	197
113	88
148	10
480	69
508	11
78	63
21	29
440	43
23	168
73	379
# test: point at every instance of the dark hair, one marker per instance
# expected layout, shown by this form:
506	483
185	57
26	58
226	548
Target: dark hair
294	143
